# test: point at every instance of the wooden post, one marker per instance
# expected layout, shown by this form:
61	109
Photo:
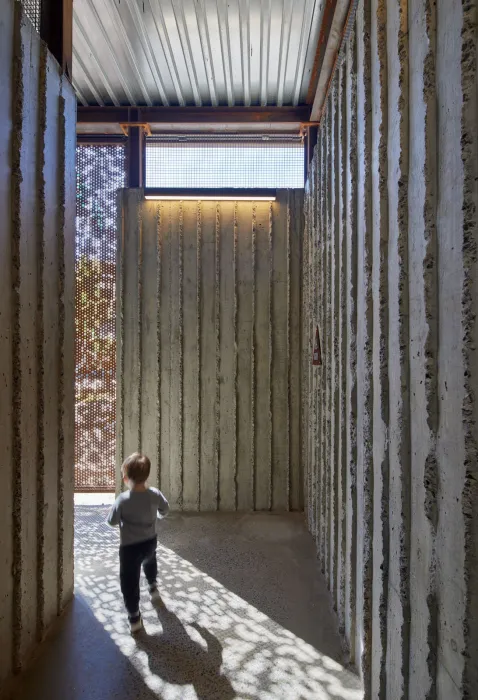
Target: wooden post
56	30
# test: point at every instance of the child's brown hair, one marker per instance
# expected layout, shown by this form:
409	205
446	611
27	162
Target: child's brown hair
136	468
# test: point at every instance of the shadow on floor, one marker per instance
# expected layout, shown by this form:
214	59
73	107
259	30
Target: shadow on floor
179	660
246	615
269	560
80	661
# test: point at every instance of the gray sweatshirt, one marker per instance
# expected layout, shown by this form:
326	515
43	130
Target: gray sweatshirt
136	513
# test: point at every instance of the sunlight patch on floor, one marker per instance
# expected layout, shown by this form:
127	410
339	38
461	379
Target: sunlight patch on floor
94	499
204	642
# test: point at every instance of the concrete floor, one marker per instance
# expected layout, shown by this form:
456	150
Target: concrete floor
246	615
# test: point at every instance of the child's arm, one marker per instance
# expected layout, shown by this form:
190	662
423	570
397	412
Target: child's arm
114	516
163	505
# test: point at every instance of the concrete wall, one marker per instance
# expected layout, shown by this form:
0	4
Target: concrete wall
390	276
37	200
209	346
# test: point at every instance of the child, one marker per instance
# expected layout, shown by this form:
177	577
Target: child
136	511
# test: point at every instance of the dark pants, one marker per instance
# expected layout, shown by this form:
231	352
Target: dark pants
131	558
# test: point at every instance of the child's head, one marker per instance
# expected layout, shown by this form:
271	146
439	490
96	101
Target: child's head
136	469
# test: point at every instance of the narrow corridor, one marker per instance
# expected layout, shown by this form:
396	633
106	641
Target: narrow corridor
246	615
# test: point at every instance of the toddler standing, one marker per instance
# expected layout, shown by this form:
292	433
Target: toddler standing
135	512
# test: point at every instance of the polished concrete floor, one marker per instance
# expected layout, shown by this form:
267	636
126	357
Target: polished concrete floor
246	614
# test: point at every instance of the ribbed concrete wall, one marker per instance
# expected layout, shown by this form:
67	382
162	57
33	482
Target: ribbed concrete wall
209	347
37	190
390	276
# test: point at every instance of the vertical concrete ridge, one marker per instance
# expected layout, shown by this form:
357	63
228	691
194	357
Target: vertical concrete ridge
140	302
337	342
308	330
328	330
315	234
310	375
327	337
217	331
352	322
364	20
311	447
314	455
40	174
469	158
431	299
316	309
61	339
404	342
253	358
150	348
181	356
312	310
432	634
271	355
289	388
302	353
319	241
169	331
343	344
327	334
305	397
430	261
16	182
332	343
120	352
159	264
236	359
312	303
383	236
198	345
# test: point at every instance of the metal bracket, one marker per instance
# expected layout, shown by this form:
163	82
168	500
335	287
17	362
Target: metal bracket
124	126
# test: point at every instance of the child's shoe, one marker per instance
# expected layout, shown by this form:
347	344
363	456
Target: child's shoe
155	594
136	624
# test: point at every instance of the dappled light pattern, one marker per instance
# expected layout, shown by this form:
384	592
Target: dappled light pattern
202	641
100	172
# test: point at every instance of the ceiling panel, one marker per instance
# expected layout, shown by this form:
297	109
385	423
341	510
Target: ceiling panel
194	52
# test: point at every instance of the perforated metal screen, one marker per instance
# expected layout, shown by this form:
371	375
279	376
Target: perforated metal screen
224	162
33	12
100	173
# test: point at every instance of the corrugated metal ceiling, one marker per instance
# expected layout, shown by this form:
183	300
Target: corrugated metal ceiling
194	52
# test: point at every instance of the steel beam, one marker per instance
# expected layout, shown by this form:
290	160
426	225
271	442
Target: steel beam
325	28
336	20
192	115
